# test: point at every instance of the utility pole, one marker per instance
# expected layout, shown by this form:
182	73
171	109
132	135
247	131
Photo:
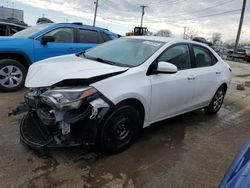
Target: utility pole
240	26
143	12
96	5
12	9
184	34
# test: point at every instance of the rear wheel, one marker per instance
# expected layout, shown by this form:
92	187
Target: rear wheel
119	129
12	75
217	101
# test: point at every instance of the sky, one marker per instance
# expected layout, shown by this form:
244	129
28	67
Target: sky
204	17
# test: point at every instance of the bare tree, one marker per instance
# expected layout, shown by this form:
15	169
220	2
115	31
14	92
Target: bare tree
163	33
150	33
190	33
216	37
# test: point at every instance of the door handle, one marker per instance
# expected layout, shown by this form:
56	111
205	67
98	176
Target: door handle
218	72
71	49
191	77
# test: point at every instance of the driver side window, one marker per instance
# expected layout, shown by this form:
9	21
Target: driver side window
177	55
62	35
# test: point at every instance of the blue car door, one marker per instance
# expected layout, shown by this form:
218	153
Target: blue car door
87	39
64	43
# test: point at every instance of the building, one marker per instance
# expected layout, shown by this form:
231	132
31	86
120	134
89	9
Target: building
6	13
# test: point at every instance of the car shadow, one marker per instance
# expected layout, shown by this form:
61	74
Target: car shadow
168	133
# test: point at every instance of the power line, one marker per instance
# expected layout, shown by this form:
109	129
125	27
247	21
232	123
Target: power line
166	2
204	16
201	10
221	13
211	15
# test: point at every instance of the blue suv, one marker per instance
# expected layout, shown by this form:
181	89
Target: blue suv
43	41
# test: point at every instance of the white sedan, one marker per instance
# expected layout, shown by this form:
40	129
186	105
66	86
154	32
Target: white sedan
105	96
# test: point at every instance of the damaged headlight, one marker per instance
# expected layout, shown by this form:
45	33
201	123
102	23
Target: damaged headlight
67	98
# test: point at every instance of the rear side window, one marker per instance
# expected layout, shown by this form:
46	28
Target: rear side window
62	35
177	55
14	29
3	30
88	36
203	57
105	37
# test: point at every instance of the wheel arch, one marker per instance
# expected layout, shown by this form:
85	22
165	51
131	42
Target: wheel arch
224	85
135	103
18	56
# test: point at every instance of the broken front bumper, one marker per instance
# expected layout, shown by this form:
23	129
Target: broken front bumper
39	130
38	135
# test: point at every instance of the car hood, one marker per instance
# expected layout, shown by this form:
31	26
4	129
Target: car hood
70	67
8	38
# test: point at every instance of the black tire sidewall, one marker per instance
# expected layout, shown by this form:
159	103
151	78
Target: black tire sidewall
7	62
106	144
210	109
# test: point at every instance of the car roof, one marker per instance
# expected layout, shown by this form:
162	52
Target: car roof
154	38
49	26
80	26
167	39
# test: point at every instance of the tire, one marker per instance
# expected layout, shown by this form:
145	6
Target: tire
216	102
119	130
12	75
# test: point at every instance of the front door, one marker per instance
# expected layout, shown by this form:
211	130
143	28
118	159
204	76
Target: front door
173	94
63	44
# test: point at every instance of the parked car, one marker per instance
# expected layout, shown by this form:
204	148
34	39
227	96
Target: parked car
221	50
9	26
43	20
241	53
202	40
43	41
105	96
238	173
247	55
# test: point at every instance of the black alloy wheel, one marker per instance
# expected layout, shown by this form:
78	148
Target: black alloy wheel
119	130
217	101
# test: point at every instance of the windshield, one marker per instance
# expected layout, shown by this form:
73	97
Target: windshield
26	33
127	52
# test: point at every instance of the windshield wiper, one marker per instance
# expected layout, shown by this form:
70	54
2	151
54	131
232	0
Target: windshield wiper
104	61
81	54
99	59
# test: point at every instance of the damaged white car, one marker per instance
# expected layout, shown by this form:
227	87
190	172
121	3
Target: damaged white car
106	95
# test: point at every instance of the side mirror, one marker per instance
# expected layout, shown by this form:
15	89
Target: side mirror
46	39
166	68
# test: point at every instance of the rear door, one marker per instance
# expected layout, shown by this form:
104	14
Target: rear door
64	44
87	39
173	93
207	75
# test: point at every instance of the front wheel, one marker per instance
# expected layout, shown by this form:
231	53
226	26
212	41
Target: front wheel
12	75
216	102
119	129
